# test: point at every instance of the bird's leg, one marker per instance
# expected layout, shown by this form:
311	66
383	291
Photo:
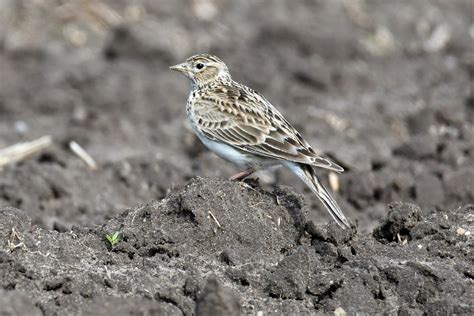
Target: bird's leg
241	175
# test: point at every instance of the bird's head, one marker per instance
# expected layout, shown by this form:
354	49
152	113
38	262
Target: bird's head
203	69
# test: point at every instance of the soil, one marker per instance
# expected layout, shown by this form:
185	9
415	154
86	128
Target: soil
382	87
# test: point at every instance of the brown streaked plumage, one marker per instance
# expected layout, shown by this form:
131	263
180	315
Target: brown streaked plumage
240	125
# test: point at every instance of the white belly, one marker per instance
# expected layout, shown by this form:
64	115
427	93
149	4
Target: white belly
226	152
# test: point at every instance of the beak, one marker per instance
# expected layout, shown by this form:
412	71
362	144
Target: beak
180	67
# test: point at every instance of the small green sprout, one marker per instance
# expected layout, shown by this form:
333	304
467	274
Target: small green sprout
113	239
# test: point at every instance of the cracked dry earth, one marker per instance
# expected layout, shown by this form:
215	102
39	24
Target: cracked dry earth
198	251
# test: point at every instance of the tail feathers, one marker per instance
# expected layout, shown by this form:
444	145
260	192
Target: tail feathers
330	204
307	174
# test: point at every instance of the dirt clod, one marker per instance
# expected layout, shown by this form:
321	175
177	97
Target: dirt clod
381	87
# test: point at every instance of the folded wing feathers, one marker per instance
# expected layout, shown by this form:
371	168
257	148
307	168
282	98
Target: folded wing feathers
250	123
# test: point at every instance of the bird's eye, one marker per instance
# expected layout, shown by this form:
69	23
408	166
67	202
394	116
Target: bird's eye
200	66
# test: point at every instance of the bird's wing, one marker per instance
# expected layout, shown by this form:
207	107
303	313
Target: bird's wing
240	117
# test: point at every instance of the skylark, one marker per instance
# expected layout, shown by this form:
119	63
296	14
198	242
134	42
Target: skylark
240	125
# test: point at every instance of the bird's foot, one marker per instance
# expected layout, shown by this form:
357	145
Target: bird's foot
241	175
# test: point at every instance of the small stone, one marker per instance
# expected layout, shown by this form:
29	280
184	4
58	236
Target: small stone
461	231
21	127
340	312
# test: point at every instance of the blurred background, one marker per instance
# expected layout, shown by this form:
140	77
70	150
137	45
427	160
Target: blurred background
382	87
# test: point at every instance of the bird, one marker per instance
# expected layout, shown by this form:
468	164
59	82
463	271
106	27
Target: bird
241	126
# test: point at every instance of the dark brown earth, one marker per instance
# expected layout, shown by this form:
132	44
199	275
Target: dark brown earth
382	87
